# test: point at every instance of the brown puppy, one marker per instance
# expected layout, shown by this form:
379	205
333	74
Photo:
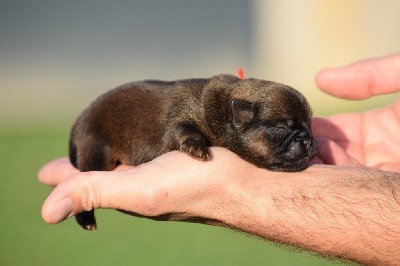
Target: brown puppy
266	123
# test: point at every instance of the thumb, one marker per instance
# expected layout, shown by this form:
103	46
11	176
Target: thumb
85	191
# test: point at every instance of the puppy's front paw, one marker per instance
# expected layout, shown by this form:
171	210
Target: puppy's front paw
196	148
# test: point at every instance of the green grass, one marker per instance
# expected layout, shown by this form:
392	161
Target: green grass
121	239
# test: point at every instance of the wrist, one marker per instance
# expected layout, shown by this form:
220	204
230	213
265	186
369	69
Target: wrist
241	200
222	196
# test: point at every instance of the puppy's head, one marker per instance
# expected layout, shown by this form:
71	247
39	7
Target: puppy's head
268	124
272	123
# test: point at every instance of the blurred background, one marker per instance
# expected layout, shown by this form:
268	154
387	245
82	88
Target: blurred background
57	56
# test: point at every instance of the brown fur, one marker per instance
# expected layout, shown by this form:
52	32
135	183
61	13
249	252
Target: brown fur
266	123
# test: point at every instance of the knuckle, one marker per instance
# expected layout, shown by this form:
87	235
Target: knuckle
90	196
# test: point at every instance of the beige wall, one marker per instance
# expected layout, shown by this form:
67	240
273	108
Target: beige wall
294	39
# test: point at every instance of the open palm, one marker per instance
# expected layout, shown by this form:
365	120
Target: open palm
370	138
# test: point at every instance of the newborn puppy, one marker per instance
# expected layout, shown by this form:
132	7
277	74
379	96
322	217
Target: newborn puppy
265	123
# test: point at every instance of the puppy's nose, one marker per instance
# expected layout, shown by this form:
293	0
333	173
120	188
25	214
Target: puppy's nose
305	138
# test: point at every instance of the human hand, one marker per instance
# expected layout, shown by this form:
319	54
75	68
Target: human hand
309	209
171	187
370	138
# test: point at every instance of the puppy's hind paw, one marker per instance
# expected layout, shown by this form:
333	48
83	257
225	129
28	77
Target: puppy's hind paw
87	220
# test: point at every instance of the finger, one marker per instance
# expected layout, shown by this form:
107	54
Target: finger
331	153
123	167
141	190
55	171
316	160
362	79
91	190
340	128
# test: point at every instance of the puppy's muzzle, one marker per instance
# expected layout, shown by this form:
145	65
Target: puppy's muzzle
296	151
300	144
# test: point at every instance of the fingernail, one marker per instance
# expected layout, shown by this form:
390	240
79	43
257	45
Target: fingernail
40	173
62	210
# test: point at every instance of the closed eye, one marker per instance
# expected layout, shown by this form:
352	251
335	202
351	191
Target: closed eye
277	133
286	124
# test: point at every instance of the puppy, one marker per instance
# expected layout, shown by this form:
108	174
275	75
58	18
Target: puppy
265	123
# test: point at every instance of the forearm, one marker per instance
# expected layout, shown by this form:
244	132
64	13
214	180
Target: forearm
342	212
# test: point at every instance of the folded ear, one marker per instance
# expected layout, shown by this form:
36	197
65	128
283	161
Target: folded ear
242	112
216	100
222	81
